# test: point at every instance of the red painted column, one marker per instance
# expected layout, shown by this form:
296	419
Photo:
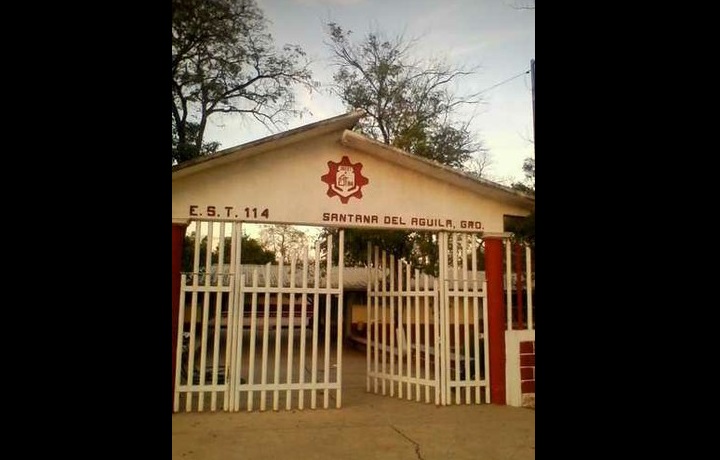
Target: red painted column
178	236
496	317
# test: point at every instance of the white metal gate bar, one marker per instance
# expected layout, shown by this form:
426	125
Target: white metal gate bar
529	279
316	302
234	346
464	349
392	316
218	317
205	318
510	283
235	313
339	351
291	327
399	356
384	329
303	322
280	334
371	286
199	368
444	324
453	358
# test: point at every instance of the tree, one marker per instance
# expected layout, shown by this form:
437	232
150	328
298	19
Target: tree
524	230
409	102
356	241
251	252
479	164
417	248
524	5
225	61
285	241
410	105
183	151
529	185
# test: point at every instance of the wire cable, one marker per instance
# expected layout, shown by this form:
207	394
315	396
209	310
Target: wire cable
504	81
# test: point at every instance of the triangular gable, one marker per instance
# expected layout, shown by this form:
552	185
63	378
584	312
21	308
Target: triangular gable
323	174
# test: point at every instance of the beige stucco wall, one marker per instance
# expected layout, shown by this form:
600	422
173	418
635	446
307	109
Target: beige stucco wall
287	183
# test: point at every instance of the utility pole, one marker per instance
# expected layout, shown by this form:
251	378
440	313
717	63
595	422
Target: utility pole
532	78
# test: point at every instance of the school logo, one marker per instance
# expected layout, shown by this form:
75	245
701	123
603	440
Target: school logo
344	179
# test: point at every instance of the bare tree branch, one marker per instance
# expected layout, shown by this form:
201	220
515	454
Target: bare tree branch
224	61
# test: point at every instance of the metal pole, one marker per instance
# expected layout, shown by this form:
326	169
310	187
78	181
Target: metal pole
532	78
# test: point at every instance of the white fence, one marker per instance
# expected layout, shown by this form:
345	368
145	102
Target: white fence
467	355
402	308
425	336
256	344
519	286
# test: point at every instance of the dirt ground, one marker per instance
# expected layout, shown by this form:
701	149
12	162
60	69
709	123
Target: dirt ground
368	426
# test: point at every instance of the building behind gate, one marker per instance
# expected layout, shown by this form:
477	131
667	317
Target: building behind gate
248	338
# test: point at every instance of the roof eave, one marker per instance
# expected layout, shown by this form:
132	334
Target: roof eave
435	169
338	123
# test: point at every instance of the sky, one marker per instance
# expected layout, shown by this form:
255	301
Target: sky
493	36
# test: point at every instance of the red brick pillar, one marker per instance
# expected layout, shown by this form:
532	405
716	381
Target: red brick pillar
496	317
178	236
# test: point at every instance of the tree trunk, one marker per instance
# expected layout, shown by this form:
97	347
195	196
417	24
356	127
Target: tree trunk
201	132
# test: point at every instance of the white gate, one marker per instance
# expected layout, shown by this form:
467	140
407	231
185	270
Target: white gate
466	370
427	335
403	314
254	336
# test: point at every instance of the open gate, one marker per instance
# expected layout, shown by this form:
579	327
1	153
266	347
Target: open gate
250	337
426	335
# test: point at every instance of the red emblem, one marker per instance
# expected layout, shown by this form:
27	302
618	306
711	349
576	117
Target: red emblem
344	179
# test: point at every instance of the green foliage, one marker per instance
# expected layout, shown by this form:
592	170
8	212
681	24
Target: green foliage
188	149
408	102
251	252
529	170
419	249
524	229
528	186
424	254
225	61
356	240
409	105
449	145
